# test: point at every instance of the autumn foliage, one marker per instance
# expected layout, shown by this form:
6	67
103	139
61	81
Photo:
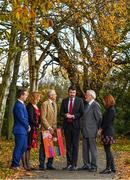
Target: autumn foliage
121	151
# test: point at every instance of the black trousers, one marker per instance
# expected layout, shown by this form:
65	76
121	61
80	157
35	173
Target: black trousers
72	144
109	157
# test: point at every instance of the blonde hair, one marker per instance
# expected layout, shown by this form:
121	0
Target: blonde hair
109	100
33	96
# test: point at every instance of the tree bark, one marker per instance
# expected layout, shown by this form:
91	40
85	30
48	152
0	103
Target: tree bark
12	91
6	79
32	61
69	65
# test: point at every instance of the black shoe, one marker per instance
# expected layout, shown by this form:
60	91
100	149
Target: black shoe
41	168
84	167
67	167
93	170
113	170
106	171
73	168
50	168
28	169
34	168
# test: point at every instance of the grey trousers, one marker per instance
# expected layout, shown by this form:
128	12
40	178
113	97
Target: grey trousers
90	152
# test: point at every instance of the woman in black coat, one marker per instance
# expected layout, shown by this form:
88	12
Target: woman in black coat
107	132
34	120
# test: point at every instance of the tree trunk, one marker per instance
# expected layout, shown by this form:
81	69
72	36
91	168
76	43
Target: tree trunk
12	91
6	79
32	66
70	66
32	62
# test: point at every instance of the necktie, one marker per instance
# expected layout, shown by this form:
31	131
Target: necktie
71	106
53	106
70	110
86	105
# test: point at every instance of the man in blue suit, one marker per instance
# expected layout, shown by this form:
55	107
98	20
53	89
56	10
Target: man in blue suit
20	128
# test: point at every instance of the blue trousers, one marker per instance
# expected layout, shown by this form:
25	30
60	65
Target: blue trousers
19	149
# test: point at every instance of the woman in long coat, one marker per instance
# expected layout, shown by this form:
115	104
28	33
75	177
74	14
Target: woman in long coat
107	132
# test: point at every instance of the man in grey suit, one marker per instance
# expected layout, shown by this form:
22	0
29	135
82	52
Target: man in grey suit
90	124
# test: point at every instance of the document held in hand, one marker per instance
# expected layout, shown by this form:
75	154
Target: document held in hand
52	146
48	144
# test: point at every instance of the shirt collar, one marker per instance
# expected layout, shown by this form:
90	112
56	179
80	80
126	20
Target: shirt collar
51	101
91	102
21	101
72	98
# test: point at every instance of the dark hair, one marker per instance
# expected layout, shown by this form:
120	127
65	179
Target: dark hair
72	87
21	92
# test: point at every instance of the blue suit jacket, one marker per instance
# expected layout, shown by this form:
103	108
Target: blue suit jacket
20	118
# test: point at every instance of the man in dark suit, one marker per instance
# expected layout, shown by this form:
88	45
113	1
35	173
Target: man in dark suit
71	111
90	123
20	128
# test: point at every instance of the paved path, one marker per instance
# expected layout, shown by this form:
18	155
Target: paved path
64	174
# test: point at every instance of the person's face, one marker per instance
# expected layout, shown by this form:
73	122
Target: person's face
104	102
38	99
72	93
53	96
24	97
88	97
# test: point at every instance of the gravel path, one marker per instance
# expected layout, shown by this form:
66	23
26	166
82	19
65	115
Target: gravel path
64	174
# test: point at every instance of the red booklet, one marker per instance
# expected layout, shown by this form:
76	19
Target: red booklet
60	142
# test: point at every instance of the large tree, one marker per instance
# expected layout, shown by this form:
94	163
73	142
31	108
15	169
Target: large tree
88	42
85	38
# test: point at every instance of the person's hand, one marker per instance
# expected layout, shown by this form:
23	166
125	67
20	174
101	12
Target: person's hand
39	126
51	130
55	139
29	128
99	132
69	116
